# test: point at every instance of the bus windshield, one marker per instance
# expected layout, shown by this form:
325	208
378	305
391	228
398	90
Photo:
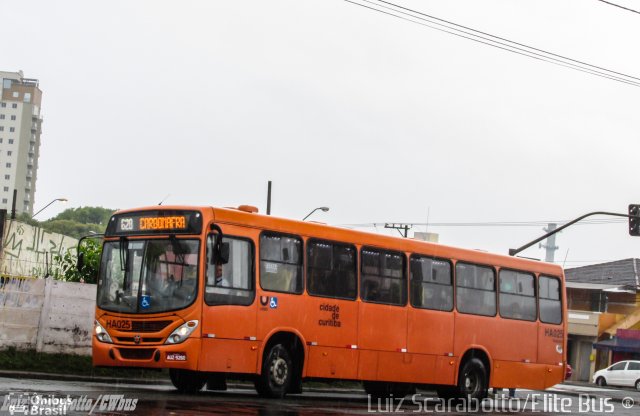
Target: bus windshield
148	276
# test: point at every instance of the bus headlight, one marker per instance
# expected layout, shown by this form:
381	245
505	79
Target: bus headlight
182	332
101	333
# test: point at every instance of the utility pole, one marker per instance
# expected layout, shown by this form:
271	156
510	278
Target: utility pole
550	246
404	227
269	198
13	204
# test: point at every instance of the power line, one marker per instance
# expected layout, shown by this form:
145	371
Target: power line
617	5
487	223
507	40
497	42
587	261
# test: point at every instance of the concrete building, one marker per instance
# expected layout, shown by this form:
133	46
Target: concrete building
604	315
20	128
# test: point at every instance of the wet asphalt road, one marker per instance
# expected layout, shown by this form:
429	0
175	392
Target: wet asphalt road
46	397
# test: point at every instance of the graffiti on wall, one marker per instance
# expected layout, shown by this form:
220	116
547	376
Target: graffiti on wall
20	292
29	250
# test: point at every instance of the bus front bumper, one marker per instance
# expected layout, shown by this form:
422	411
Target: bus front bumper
183	355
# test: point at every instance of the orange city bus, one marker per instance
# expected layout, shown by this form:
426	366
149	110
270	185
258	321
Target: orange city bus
211	293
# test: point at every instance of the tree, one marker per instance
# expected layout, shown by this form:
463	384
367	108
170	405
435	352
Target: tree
71	228
26	218
67	263
78	222
86	215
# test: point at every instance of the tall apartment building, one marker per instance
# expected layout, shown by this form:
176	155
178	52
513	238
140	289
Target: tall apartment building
20	128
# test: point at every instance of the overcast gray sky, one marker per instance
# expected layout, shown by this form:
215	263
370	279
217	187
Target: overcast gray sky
376	117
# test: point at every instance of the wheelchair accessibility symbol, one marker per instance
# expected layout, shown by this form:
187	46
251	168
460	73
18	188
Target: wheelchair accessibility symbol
273	302
145	301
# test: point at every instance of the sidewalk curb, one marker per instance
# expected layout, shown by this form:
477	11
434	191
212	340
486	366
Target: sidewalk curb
76	377
590	394
161	381
246	386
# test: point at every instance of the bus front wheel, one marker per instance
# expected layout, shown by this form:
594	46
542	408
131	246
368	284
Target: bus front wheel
187	381
277	372
472	381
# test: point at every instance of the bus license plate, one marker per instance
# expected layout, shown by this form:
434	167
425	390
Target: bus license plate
119	324
176	356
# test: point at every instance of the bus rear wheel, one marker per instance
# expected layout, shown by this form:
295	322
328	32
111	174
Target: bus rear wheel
277	372
187	381
472	380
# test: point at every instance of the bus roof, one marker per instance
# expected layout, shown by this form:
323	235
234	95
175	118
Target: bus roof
323	231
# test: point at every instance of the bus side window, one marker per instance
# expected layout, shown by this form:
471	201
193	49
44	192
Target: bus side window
281	263
517	295
431	283
383	276
231	283
550	300
331	269
476	289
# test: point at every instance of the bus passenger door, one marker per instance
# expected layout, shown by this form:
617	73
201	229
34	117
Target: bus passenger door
515	353
229	342
430	338
431	320
330	326
382	341
382	317
552	334
330	314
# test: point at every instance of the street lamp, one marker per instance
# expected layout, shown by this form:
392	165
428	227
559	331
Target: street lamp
325	209
46	206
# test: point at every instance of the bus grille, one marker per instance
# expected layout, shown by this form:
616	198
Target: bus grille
136	353
148	326
132	340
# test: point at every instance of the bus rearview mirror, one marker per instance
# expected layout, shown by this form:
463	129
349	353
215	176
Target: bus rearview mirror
80	262
224	253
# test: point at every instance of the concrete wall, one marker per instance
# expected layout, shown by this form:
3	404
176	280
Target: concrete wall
37	313
21	301
29	250
47	315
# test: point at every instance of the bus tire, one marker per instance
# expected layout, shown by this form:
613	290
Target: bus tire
472	380
277	372
187	381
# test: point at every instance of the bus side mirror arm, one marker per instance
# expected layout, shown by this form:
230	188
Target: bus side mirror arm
80	260
220	248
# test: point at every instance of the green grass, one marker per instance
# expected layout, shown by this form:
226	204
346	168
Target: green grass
30	360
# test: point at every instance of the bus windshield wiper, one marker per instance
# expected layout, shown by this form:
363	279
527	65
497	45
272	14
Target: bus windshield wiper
124	253
178	250
124	260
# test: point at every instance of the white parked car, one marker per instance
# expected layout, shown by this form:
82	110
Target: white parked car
623	373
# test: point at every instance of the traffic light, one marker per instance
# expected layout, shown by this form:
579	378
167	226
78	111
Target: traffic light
634	220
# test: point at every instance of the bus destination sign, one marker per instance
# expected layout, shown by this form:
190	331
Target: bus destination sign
153	222
163	223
